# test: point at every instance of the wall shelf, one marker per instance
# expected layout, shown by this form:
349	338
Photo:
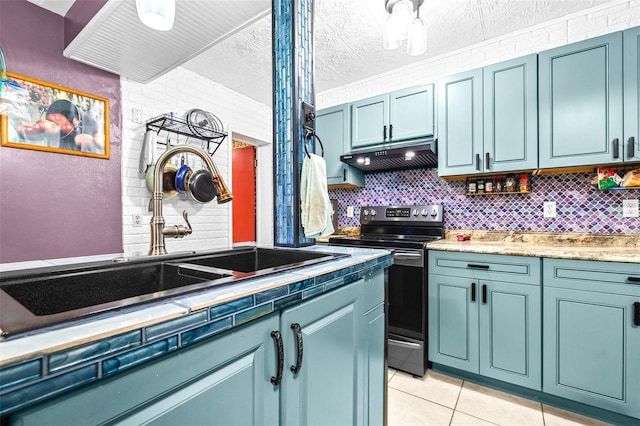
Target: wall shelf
210	138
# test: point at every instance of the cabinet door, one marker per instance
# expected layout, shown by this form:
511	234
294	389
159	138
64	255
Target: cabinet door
453	322
580	96
374	366
631	42
460	124
223	380
411	113
328	389
510	335
333	127
511	115
591	349
369	121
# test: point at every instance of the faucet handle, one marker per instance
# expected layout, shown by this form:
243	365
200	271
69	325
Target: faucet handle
178	231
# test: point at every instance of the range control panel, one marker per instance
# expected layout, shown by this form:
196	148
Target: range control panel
391	214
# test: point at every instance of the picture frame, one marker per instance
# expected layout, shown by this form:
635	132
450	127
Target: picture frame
57	119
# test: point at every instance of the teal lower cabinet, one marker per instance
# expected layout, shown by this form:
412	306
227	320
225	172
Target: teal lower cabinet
484	315
224	381
332	372
592	333
328	389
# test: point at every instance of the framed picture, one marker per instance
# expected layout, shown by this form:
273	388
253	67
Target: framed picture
58	119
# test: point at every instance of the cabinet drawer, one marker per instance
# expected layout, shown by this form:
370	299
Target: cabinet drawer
525	270
592	275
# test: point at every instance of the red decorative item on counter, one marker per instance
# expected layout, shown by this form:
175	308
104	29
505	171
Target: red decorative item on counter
463	237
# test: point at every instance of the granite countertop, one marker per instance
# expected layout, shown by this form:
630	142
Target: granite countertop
580	246
342	231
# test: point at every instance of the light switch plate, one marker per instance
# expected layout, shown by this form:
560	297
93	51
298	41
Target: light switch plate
549	209
629	208
350	211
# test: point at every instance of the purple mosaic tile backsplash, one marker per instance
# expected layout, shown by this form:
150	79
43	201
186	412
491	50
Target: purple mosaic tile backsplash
580	207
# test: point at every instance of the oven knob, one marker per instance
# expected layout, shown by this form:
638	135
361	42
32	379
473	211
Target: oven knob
434	212
365	212
424	212
415	212
373	212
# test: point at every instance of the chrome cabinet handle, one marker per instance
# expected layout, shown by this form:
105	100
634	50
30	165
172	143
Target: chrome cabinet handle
299	347
277	338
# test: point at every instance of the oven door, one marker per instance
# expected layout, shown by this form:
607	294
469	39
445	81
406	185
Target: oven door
407	292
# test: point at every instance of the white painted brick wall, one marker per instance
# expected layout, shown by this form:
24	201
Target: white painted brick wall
613	16
179	91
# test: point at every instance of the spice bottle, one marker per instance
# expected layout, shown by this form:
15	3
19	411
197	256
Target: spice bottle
488	185
524	183
480	185
510	184
471	186
498	184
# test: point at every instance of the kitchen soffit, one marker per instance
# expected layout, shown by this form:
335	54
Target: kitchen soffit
348	37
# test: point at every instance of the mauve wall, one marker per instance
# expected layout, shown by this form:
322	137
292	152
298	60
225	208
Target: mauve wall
54	205
580	207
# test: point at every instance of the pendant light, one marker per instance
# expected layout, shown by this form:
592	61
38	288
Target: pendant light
401	25
417	37
157	14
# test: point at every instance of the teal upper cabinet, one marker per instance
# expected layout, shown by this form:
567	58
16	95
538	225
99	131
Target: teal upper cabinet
580	96
460	123
487	119
333	127
401	115
631	41
511	115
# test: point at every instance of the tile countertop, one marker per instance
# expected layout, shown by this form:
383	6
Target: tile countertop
48	341
580	246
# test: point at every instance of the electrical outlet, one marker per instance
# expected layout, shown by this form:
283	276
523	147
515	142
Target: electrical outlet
549	209
629	208
136	115
350	211
137	219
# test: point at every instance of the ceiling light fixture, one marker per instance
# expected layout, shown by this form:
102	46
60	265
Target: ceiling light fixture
401	25
157	14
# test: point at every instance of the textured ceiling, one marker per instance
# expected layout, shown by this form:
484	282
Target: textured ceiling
348	39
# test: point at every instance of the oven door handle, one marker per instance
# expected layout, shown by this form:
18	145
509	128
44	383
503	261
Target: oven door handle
408	345
403	258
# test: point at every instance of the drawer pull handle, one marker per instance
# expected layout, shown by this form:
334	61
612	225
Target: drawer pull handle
474	266
484	294
390	131
277	338
633	279
473	292
636	313
616	148
384	132
486	161
477	161
298	332
631	148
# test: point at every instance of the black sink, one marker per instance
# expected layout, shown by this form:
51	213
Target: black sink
261	260
30	300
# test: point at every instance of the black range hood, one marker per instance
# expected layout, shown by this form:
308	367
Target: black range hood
418	155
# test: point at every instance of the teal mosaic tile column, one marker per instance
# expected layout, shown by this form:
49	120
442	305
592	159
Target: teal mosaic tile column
292	22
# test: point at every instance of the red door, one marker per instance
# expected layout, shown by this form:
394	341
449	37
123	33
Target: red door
244	193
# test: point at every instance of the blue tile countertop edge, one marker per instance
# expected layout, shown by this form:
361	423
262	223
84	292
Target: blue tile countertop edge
34	368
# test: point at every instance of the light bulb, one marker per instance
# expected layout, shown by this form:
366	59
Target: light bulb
417	38
157	14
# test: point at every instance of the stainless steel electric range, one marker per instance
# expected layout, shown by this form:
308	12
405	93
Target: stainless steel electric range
404	230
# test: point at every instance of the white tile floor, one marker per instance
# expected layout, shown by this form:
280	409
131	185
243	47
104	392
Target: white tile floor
437	399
